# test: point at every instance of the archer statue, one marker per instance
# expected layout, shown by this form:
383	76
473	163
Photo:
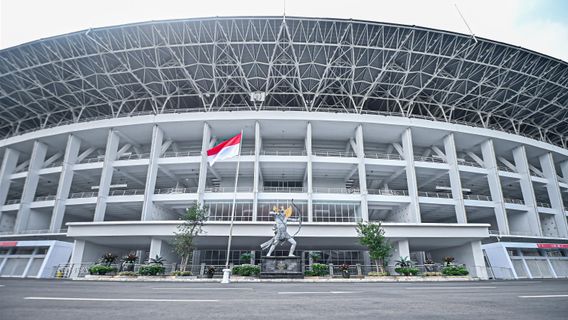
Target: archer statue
281	235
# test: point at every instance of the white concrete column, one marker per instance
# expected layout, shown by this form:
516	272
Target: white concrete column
162	249
455	181
408	149
8	166
564	169
256	175
554	193
359	142
76	257
152	174
30	185
106	174
203	166
490	163
65	180
527	189
399	249
309	176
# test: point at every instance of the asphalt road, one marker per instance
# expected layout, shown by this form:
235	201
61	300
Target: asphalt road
65	299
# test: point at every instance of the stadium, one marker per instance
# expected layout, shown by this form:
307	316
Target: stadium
456	144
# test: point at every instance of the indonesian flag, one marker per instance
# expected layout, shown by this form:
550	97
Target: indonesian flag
224	150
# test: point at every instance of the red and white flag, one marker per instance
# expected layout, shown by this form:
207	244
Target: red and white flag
224	150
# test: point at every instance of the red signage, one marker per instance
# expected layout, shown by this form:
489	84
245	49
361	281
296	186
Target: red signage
8	243
552	245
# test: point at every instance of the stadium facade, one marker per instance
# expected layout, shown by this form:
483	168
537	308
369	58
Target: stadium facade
458	145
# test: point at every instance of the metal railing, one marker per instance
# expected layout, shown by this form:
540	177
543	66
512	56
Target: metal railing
134	156
427	194
228	189
174	154
87	194
384	192
130	192
36	231
543	205
429	159
334	154
469	163
514	201
511	233
336	190
175	190
13	201
505	168
45	198
284	189
387	156
283	152
92	160
479	197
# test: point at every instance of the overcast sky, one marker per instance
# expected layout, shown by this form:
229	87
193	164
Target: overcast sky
540	25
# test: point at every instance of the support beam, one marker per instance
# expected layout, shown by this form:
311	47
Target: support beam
507	164
495	188
554	193
8	167
106	175
85	154
455	180
165	146
309	166
440	153
477	159
360	151
203	165
22	166
65	180
398	148
256	174
527	189
152	174
411	181
30	185
52	159
122	150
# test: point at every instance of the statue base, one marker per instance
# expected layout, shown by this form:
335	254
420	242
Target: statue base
281	268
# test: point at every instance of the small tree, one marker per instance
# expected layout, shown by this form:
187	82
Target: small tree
372	235
193	221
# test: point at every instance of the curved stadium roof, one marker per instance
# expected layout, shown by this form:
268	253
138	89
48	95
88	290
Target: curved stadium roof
267	63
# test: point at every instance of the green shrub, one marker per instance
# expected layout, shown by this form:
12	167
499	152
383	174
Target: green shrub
377	274
407	271
99	269
128	274
151	270
453	270
182	273
319	270
246	270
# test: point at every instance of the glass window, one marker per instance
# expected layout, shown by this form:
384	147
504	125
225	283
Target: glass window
221	211
42	250
336	212
24	250
264	208
530	252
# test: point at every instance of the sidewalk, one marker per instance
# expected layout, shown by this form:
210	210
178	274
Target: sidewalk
239	279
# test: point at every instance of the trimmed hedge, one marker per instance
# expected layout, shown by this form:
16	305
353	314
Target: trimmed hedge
407	271
455	271
101	270
246	270
151	270
317	270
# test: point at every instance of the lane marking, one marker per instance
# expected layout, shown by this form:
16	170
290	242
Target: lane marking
315	292
449	288
1	285
118	299
546	296
165	288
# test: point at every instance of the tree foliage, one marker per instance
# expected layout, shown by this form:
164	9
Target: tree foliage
191	227
372	235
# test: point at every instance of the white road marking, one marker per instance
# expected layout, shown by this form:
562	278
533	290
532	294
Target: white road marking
118	299
547	296
1	285
314	292
174	288
448	288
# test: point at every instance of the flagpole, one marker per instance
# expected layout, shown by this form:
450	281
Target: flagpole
234	202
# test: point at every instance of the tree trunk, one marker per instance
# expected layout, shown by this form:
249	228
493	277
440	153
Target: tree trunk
377	265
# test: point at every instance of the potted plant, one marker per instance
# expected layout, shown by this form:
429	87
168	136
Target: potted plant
429	265
448	260
344	268
108	258
128	262
404	266
210	270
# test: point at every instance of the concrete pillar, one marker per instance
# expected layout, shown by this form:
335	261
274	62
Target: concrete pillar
469	254
163	249
554	193
30	185
400	249
85	252
490	163
455	181
8	166
203	166
65	180
256	175
527	189
309	176
152	174
407	146
106	174
564	169
359	142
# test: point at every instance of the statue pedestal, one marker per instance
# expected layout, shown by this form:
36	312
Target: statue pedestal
281	268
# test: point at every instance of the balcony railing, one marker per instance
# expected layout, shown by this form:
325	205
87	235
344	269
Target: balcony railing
334	154
228	189
175	154
284	189
543	205
175	190
45	198
514	201
505	168
42	231
434	195
383	192
283	152
479	197
386	156
87	194
429	159
134	156
131	192
336	190
13	201
469	163
93	160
